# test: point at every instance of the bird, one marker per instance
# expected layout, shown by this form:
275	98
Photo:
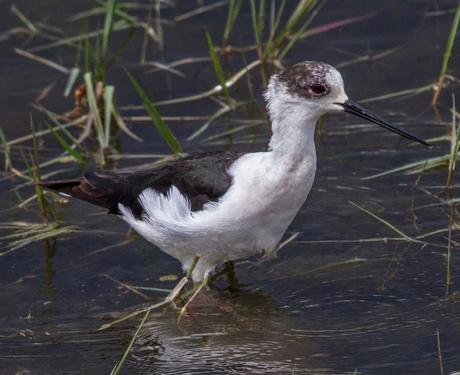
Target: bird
224	206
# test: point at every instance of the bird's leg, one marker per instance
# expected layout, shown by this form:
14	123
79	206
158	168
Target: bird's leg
229	270
232	280
177	292
198	289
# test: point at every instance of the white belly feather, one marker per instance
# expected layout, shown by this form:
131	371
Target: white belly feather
251	217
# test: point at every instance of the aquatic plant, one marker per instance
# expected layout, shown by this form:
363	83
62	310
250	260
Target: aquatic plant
446	57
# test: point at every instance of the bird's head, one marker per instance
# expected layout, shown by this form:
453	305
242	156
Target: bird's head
318	88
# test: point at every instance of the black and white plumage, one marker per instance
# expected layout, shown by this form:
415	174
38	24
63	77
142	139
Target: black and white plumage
225	206
201	177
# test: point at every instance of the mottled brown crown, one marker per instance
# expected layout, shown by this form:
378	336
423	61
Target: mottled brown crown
308	79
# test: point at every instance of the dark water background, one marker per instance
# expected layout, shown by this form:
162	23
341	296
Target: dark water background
319	308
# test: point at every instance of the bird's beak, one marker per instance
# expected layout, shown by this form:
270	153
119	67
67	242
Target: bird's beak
355	109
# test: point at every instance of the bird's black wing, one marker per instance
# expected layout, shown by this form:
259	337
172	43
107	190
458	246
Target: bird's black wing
200	177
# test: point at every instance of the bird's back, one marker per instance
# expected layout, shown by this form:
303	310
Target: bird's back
201	178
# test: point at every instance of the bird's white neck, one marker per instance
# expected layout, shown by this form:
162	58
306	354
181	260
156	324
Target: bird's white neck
293	127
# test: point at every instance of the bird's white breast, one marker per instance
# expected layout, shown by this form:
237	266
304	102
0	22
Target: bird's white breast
267	191
249	218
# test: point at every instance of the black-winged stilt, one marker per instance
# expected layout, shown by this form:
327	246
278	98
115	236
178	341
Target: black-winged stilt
224	206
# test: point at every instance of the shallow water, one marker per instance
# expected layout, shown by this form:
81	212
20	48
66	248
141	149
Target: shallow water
337	299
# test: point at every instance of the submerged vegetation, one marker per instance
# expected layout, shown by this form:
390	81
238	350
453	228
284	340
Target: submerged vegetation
123	47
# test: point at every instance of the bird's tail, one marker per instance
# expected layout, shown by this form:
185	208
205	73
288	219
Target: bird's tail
82	189
61	186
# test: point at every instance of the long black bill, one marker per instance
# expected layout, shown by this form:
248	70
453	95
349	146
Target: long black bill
355	109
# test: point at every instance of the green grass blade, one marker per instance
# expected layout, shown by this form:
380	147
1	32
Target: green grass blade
214	116
61	127
198	10
160	125
108	105
120	13
454	145
218	68
278	18
274	29
101	9
231	131
294	20
146	35
43	232
117	26
302	8
65	145
450	41
88	55
42	60
300	31
447	56
119	365
254	17
400	94
99	60
108	25
257	17
417	165
96	11
23	19
392	227
121	124
233	10
94	109
73	75
6	150
261	20
41	133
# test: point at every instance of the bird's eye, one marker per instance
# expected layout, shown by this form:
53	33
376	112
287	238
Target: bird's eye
318	89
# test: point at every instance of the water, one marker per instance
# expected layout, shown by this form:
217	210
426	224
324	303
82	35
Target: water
350	304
